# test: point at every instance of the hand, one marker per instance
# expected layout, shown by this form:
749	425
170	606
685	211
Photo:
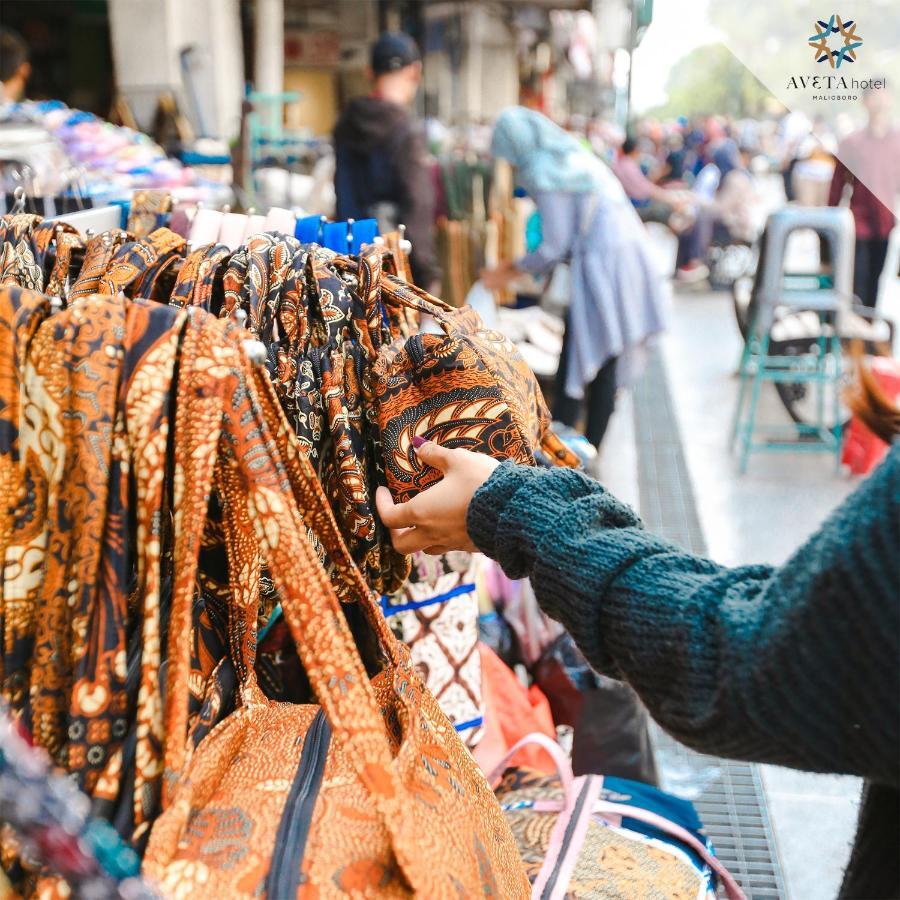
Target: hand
497	279
435	520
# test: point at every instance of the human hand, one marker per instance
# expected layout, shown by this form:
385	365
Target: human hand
497	279
435	520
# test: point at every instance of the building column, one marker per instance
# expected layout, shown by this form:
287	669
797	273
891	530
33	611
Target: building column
269	47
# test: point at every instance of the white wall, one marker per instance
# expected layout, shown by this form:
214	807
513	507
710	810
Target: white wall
147	37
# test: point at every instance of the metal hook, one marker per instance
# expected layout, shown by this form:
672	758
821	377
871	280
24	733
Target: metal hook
19	205
350	223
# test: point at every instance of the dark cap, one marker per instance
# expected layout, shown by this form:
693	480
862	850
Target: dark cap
393	51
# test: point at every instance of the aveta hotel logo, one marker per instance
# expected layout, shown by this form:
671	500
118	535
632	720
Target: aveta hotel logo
835	50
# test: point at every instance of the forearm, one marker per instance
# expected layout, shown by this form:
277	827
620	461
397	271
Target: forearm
628	598
557	233
745	662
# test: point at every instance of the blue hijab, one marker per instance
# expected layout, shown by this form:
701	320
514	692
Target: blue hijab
546	157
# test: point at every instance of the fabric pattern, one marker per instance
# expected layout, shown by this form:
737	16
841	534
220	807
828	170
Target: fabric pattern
376	845
436	616
148	211
469	388
614	861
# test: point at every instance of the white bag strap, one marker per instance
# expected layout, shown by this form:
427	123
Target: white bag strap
560	760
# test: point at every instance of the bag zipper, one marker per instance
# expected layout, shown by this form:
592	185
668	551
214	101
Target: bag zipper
293	830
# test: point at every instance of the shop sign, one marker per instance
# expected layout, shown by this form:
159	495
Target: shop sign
311	48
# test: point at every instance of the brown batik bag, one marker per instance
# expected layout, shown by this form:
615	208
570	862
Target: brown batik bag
468	387
370	794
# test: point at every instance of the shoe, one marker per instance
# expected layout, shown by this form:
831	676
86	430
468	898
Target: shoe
692	272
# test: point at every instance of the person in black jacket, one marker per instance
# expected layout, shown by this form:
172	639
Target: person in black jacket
381	169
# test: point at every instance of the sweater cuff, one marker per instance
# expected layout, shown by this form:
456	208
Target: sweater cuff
489	502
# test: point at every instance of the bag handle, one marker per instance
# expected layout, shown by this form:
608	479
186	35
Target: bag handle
253	476
138	263
198	422
215	256
560	760
606	808
319	518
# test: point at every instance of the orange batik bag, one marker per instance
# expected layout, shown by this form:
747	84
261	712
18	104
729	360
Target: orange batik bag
371	793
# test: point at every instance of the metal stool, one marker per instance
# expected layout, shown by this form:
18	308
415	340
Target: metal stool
777	293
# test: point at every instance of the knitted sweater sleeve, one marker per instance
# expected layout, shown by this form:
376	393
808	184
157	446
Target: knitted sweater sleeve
796	665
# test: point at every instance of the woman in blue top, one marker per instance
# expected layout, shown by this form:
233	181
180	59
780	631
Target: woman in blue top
586	220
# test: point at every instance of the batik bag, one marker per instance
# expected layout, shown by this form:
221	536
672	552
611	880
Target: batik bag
371	793
468	387
436	616
597	836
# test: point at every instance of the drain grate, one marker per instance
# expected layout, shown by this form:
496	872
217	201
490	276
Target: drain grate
730	798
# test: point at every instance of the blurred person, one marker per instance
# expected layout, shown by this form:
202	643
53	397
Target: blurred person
676	158
793	665
381	161
15	68
587	221
874	152
792	132
652	202
814	168
734	208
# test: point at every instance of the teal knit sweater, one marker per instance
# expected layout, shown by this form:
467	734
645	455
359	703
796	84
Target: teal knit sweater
797	665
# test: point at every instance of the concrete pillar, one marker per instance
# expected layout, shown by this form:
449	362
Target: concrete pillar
269	47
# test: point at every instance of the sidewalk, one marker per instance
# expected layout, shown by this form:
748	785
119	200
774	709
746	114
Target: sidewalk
762	516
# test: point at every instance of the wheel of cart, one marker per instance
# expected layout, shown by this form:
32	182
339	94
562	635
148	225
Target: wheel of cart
806	363
795	333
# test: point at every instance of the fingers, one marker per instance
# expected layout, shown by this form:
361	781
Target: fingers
398	517
409	540
394	515
435	455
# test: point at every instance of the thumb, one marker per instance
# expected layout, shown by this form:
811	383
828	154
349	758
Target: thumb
433	454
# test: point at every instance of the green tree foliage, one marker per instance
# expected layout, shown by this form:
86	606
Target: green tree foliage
711	80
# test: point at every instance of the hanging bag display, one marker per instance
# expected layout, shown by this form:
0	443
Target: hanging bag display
596	836
372	792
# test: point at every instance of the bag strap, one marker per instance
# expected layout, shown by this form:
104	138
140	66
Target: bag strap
136	264
319	518
566	840
560	760
98	253
253	476
198	422
215	256
607	809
